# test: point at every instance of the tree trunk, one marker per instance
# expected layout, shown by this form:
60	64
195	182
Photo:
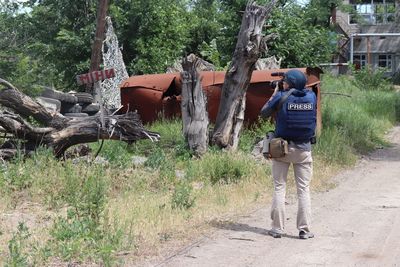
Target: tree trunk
194	113
61	132
95	58
249	47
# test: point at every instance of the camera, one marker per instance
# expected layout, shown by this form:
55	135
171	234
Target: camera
278	83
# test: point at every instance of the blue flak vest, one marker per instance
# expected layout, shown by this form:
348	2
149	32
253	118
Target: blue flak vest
297	119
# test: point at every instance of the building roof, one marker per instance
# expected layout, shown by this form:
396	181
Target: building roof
387	44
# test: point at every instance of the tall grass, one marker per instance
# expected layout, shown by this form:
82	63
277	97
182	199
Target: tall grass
356	124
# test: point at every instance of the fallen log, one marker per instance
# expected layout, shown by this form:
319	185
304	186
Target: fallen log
59	132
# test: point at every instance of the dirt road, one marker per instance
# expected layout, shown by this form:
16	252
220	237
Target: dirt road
355	224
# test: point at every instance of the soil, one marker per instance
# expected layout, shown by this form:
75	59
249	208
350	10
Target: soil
355	224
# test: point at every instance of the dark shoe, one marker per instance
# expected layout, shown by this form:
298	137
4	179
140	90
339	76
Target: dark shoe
305	235
274	234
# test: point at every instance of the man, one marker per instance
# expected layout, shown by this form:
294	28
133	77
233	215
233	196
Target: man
295	122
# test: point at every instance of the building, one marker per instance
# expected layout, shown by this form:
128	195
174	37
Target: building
370	34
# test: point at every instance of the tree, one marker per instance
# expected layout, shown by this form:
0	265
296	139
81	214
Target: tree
318	12
299	43
153	33
249	47
16	61
53	41
204	18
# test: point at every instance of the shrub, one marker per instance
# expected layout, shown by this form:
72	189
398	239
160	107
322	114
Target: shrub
156	158
225	168
117	153
367	79
16	247
84	232
182	196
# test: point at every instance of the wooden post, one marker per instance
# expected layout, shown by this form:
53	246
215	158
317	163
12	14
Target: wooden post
249	47
193	105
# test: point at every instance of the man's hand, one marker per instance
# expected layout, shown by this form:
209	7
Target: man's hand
276	90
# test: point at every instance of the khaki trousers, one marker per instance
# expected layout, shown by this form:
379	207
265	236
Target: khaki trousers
302	166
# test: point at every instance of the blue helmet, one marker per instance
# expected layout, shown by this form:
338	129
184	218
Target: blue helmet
295	79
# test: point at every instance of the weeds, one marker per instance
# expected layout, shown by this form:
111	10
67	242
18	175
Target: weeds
81	234
16	246
182	197
225	168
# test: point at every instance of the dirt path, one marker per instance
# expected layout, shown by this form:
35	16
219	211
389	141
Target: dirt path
356	224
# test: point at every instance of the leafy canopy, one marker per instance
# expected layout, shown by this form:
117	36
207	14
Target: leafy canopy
48	42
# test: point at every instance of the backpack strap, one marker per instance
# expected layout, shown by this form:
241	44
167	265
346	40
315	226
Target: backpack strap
284	98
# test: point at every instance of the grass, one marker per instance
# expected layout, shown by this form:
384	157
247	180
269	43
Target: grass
91	213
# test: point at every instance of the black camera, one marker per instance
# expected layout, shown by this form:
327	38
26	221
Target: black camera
278	83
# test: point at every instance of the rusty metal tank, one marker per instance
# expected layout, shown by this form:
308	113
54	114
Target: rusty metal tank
159	95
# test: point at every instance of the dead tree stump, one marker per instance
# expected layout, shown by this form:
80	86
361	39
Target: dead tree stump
249	47
194	112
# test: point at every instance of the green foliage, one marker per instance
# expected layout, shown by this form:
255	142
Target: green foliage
154	33
17	177
182	152
355	123
182	197
156	159
51	44
84	233
76	237
54	38
210	52
250	136
334	146
319	12
225	168
206	21
16	246
367	79
118	154
300	44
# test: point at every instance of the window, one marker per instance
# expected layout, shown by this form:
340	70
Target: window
373	13
385	61
359	61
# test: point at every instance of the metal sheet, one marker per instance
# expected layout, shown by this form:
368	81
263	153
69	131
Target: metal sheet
159	94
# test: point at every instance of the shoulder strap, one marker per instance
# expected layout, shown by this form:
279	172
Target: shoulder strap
284	98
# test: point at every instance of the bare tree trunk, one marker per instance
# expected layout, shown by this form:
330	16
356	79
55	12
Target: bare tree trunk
194	113
95	58
249	47
61	132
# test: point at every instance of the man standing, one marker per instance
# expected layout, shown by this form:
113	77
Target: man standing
295	122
